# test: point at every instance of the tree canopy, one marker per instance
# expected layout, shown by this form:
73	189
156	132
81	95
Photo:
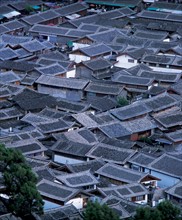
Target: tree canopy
165	210
20	184
122	101
96	211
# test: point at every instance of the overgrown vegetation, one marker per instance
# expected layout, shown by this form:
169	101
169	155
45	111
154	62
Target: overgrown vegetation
20	184
96	211
122	101
165	210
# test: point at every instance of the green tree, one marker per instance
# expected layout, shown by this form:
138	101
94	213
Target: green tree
122	101
168	210
20	183
29	8
96	211
147	213
163	211
146	140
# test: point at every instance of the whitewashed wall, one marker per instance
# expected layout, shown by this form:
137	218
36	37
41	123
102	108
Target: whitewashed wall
122	61
66	160
166	180
77	202
78	58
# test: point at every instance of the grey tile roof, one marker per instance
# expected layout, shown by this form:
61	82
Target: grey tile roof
130	111
23	66
9	90
175	190
137	42
9	113
156	90
5	104
34	118
44	173
28	80
97	64
89	27
33	46
90	19
77	33
123	3
62	212
127	144
4	29
126	191
160	25
177	61
29	100
139	125
35	163
101	88
175	136
53	69
107	36
55	55
135	70
129	206
127	11
7	54
44	29
141	159
21	5
56	191
22	53
152	15
95	50
5	9
163	46
110	153
72	148
150	35
28	146
102	104
160	102
92	121
170	120
115	130
32	19
83	135
161	76
52	113
132	80
161	59
137	53
44	62
166	5
120	173
174	17
80	179
53	126
91	165
71	9
69	83
168	165
113	14
48	45
49	14
14	25
8	77
70	106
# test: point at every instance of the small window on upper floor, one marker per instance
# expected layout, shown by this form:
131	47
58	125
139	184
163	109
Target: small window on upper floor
131	61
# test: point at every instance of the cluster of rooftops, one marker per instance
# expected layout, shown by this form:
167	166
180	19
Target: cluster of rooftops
91	93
